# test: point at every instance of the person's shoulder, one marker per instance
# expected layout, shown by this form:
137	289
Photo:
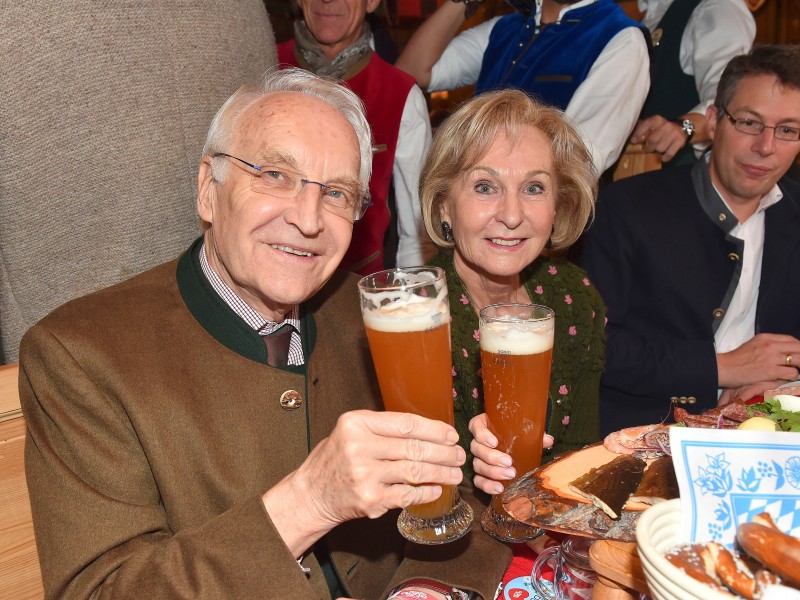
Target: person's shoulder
388	69
120	304
790	183
562	280
339	296
286	52
645	188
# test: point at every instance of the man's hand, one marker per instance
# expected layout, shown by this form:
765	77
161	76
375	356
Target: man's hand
657	134
747	392
761	358
371	462
491	465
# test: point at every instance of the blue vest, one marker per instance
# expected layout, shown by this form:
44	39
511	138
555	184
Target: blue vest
550	62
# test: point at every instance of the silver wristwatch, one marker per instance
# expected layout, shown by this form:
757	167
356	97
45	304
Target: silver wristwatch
687	127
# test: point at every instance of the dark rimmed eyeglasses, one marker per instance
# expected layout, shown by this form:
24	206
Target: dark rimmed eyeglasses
281	182
753	127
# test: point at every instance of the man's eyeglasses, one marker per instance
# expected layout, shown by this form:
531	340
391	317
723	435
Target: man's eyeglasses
281	182
753	127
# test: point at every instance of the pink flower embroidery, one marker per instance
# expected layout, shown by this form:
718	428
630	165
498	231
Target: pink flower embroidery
474	392
539	290
572	331
454	371
586	281
565	420
464	299
454	392
605	321
477	335
552	270
594	314
568	299
563	390
464	352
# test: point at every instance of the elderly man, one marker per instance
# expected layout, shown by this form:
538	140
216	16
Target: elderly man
176	450
699	266
334	40
583	56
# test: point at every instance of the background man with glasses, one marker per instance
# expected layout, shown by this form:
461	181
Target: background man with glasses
196	431
700	266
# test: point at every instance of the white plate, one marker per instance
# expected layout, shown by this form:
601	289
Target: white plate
657	531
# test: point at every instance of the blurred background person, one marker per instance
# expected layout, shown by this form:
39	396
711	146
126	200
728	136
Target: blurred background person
587	58
693	40
505	178
334	39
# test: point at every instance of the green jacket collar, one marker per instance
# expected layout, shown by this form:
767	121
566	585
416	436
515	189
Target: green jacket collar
217	318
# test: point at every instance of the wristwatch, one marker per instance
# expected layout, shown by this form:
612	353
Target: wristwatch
470	7
687	127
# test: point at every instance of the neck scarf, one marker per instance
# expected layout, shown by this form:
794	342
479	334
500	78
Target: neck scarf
318	63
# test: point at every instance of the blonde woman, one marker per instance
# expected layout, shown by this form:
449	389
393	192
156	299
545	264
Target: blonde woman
506	179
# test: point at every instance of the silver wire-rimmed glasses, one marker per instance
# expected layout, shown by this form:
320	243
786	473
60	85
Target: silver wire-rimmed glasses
343	200
753	127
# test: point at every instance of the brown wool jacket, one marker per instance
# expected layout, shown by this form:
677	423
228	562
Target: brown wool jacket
154	426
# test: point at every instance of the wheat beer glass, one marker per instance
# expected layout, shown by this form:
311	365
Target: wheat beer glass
407	318
516	354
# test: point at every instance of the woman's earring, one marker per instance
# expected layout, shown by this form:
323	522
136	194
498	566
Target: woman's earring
447	231
549	244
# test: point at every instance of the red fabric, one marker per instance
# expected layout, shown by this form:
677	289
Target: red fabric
521	563
383	89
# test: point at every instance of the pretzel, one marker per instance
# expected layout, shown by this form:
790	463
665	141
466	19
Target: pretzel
730	573
777	551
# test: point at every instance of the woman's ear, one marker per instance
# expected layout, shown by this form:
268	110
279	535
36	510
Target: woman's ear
444	211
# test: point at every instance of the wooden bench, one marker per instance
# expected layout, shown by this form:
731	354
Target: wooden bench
20	577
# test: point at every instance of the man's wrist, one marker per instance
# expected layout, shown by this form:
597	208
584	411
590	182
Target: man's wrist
687	127
470	6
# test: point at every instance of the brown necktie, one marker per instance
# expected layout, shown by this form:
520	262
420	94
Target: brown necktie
278	346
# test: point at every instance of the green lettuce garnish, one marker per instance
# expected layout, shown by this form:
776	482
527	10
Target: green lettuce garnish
787	420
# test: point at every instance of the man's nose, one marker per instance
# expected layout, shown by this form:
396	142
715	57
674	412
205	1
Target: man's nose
306	212
765	141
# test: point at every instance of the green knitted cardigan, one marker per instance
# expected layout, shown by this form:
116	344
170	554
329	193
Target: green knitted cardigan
578	352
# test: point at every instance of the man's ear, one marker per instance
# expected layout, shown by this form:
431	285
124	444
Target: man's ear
711	121
206	188
372	5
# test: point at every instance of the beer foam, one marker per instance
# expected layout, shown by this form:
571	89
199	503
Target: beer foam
504	337
406	313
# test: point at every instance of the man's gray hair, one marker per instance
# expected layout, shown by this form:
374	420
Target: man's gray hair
223	126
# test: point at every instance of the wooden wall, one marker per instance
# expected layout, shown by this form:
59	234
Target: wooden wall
778	22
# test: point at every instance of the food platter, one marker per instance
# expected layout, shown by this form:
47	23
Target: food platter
542	498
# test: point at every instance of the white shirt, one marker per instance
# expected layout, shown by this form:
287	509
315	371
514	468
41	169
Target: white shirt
413	140
739	323
414	246
604	108
717	31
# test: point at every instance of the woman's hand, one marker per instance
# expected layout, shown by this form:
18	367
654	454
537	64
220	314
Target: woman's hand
492	467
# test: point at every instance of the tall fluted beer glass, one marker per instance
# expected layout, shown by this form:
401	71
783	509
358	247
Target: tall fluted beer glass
407	318
516	355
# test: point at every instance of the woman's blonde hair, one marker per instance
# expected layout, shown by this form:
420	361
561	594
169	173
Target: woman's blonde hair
466	136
